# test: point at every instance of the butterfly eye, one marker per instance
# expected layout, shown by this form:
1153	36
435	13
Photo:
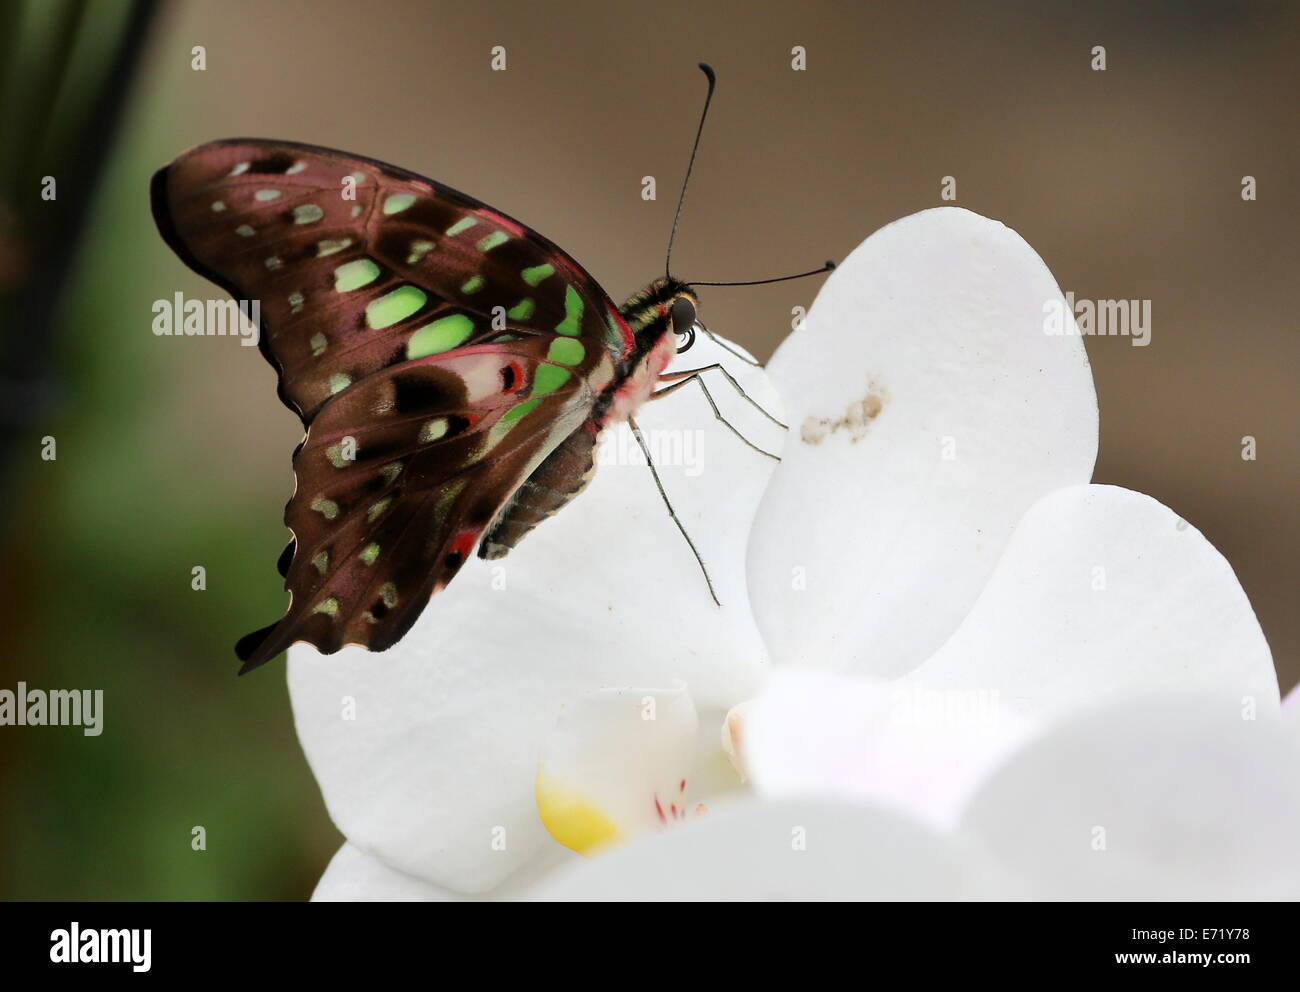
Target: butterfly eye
682	315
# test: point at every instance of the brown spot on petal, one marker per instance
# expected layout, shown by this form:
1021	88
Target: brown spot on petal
856	419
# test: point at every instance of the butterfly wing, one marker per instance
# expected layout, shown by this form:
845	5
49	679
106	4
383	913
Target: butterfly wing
436	351
385	513
350	257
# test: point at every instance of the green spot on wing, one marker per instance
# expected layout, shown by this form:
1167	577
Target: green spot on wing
339	381
522	310
462	225
442	335
473	284
395	306
355	274
537	273
330	607
327	507
519	411
419	248
566	351
571	325
548	379
370	553
492	241
398	202
331	246
307	213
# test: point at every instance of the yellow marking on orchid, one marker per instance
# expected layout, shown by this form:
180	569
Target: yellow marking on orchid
571	817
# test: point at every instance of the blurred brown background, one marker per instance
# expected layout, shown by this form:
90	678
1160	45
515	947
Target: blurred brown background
176	452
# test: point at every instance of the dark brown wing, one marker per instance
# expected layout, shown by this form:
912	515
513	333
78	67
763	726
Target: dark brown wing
352	258
385	514
390	305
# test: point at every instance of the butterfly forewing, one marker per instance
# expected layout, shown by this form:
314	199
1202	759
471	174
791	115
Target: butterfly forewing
359	265
436	350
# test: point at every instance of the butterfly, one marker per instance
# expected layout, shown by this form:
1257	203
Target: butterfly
452	369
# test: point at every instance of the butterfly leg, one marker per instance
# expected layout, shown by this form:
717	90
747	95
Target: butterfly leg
669	376
716	412
645	449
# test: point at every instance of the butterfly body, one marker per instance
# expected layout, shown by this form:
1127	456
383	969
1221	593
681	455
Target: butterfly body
451	367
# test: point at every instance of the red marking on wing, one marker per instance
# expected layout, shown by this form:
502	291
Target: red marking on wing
516	378
629	340
464	542
507	224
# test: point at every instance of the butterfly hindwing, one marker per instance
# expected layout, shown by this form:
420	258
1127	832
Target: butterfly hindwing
436	350
386	513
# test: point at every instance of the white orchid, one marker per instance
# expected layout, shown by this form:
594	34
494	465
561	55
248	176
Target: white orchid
944	665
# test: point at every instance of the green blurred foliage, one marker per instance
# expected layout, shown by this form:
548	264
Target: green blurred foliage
97	594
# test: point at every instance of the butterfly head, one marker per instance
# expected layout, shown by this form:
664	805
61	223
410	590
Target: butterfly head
666	306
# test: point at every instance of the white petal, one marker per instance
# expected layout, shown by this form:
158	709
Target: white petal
1104	592
354	876
789	851
1291	712
617	766
925	753
929	409
1152	798
437	768
1049	635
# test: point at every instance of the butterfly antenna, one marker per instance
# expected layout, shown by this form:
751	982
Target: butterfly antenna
681	197
828	267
